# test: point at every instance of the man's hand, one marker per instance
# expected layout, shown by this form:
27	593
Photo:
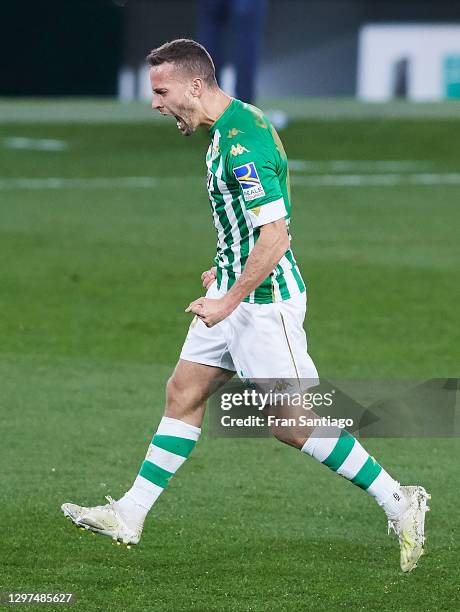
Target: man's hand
212	311
209	277
271	245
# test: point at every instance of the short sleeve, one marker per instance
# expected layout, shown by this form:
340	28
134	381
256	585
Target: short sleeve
255	173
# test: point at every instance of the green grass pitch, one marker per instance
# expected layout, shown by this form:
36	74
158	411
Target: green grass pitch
94	280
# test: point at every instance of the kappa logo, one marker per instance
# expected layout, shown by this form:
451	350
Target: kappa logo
238	150
249	180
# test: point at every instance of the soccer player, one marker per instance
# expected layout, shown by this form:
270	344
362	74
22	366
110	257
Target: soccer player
251	320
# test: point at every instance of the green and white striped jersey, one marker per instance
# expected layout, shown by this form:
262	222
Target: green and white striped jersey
248	186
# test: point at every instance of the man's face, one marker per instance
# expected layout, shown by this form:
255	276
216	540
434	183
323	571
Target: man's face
173	96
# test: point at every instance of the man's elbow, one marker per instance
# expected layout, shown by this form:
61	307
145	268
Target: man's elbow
278	236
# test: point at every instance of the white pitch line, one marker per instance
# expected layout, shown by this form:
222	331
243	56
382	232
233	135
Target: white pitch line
142	182
312	180
378	180
359	165
35	144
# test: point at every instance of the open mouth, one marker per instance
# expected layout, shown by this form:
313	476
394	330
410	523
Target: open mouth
180	123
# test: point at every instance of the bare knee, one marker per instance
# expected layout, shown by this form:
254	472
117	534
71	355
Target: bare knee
188	389
282	430
182	403
287	436
176	395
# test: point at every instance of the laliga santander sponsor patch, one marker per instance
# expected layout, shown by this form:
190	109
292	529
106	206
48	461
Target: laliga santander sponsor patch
249	180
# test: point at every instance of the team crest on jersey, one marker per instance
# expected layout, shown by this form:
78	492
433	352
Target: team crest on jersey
233	132
249	180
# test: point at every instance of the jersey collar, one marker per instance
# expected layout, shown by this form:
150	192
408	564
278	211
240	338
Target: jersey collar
223	118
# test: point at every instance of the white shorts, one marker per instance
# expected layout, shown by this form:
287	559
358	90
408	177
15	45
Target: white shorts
258	341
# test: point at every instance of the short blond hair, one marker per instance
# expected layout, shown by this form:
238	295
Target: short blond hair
187	55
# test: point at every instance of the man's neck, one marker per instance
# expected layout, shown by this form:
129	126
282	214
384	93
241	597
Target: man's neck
214	104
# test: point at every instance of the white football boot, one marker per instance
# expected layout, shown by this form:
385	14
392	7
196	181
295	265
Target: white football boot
410	527
106	520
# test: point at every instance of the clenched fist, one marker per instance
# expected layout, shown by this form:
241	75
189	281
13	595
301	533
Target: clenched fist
209	277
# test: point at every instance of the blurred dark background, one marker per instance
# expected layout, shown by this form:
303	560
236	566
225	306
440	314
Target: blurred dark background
77	47
71	47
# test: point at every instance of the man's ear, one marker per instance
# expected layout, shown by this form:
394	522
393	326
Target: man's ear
197	87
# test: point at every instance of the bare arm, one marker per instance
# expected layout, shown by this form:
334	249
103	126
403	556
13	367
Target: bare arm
271	245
